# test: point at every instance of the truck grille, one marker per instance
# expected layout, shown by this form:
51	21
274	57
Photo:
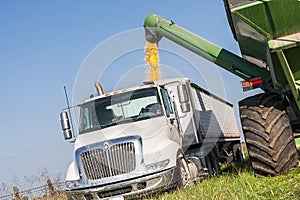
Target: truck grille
117	159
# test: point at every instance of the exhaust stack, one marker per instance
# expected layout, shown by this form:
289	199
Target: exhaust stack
99	88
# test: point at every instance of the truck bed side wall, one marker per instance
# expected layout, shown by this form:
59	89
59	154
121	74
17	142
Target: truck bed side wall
214	117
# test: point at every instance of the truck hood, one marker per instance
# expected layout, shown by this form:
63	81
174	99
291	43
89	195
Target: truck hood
144	128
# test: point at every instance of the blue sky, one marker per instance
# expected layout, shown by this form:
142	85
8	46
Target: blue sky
45	44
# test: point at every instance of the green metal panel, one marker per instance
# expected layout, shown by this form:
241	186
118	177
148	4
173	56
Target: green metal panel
256	22
293	83
272	18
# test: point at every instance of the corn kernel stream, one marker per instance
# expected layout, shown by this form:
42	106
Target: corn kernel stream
152	58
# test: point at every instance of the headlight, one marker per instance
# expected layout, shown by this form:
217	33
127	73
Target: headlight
72	184
157	165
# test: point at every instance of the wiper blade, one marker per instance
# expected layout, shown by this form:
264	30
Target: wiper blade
141	118
108	125
125	120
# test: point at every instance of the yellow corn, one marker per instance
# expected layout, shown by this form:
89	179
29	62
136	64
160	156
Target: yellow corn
152	58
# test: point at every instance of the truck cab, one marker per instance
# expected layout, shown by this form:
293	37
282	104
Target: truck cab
137	141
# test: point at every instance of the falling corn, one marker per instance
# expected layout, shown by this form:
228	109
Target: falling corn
151	57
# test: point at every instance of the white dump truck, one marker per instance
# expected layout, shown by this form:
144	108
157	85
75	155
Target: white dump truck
153	137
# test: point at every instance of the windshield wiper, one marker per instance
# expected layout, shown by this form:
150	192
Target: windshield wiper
141	118
125	120
108	125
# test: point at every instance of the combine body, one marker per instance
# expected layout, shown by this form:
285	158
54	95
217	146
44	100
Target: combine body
268	33
149	138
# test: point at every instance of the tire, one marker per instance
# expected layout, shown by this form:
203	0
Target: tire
208	165
214	163
268	134
182	175
237	153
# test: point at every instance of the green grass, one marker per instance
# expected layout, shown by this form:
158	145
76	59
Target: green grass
298	142
237	183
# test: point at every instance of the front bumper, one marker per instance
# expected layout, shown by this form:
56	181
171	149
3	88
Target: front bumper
131	188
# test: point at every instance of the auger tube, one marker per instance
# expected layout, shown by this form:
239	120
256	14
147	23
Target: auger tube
156	27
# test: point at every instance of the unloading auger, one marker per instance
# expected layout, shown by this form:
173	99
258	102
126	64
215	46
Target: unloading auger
268	33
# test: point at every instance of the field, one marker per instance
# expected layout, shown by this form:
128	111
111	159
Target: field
237	182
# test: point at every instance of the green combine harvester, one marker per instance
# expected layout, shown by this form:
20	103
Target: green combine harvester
268	34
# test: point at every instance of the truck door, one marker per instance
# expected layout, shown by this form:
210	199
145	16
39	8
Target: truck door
184	117
185	110
170	109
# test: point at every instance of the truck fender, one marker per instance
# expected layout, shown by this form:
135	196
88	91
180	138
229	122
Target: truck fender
72	172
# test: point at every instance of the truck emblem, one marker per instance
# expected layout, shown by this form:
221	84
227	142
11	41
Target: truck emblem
106	146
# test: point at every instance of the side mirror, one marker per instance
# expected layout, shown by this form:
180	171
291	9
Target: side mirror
185	107
183	98
65	125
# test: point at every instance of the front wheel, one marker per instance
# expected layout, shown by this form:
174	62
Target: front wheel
268	134
182	173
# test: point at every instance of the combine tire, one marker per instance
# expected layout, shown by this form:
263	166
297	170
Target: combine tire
269	137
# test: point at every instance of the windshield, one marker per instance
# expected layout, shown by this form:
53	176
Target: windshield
120	108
